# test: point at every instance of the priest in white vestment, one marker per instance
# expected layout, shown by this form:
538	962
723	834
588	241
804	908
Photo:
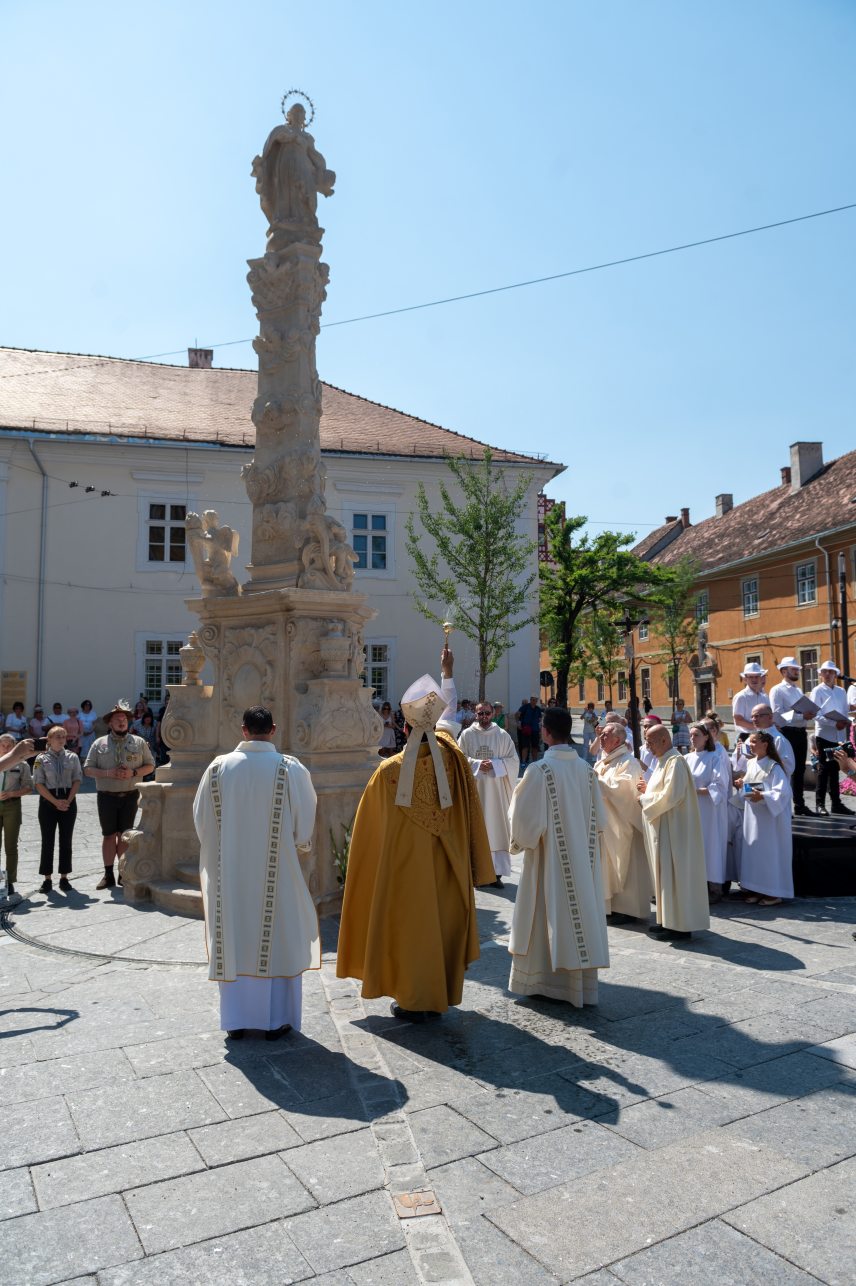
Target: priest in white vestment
674	842
623	848
493	759
558	934
253	810
766	871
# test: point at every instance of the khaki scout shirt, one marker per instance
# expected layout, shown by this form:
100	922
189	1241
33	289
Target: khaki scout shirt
118	752
57	771
17	778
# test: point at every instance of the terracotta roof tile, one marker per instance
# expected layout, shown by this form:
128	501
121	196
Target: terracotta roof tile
81	393
769	521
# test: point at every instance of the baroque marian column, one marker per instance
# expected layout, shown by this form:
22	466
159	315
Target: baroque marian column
291	637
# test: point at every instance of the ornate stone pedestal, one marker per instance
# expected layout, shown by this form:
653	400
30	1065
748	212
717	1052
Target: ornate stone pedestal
291	637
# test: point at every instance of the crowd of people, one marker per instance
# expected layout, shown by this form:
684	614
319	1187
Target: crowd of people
51	757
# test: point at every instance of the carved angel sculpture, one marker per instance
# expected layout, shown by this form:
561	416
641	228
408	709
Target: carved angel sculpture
212	548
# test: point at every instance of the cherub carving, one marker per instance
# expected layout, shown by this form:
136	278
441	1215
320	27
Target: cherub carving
212	547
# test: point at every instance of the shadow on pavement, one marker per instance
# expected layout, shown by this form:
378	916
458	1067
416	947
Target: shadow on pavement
65	1016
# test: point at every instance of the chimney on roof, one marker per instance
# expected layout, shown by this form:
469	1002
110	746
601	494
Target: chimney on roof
200	359
671	517
806	463
724	504
685	518
786	475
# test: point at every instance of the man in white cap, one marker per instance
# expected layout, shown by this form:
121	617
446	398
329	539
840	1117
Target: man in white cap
254	809
117	762
748	697
558	934
419	845
830	732
673	838
792	725
493	759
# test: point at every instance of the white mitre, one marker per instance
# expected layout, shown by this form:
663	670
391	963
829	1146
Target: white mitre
422	705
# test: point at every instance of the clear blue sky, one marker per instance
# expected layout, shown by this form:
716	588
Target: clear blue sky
475	144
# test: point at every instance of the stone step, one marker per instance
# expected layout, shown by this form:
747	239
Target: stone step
172	895
188	873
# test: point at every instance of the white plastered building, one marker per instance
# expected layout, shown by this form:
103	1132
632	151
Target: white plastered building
100	460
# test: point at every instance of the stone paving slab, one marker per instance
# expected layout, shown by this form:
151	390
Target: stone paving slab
347	1233
48	1247
714	1252
83	1071
247	1137
98	1174
585	1224
810	1223
248	1258
39	1131
16	1193
143	1109
547	1160
212	1203
842	1050
333	1169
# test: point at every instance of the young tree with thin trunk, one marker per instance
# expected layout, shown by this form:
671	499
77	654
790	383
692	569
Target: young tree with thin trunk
585	574
477	566
673	618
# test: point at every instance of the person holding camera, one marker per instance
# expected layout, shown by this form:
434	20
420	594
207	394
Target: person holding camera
831	727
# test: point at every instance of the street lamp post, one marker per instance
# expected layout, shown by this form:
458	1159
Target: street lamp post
630	655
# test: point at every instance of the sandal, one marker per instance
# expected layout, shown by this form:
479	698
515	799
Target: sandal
769	901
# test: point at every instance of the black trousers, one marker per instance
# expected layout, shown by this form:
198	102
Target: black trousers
52	820
827	773
798	739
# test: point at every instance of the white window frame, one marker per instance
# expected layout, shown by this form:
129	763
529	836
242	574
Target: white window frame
388	512
807	666
392	696
621	682
141	638
645	681
581	690
702	607
144	499
812	563
601	690
643	631
744	592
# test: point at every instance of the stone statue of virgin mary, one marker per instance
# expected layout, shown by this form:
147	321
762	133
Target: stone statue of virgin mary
289	175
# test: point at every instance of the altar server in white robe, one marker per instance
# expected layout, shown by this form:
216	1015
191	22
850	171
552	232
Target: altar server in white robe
623	848
558	934
253	810
674	842
766	870
712	781
493	759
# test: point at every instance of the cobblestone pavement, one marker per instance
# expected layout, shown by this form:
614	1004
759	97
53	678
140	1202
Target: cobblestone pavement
698	1126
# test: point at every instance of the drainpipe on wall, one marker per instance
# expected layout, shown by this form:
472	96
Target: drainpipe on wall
40	606
829	602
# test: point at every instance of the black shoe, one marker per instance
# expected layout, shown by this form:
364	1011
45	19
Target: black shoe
802	811
676	935
839	810
237	1034
64	883
10	889
406	1015
820	811
107	881
46	885
618	917
278	1031
497	884
657	931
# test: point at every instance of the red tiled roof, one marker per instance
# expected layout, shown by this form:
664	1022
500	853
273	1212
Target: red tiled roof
80	393
767	522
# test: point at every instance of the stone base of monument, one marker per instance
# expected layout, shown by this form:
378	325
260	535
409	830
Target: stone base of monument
300	653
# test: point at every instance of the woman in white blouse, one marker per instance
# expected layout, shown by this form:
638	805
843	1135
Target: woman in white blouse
712	791
766	870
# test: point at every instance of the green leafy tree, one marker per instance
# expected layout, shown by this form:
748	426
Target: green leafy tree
582	575
476	566
673	618
602	643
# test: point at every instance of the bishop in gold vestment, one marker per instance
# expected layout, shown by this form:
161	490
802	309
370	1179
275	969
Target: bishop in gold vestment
418	847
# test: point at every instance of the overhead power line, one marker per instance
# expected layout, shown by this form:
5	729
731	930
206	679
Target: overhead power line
555	276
